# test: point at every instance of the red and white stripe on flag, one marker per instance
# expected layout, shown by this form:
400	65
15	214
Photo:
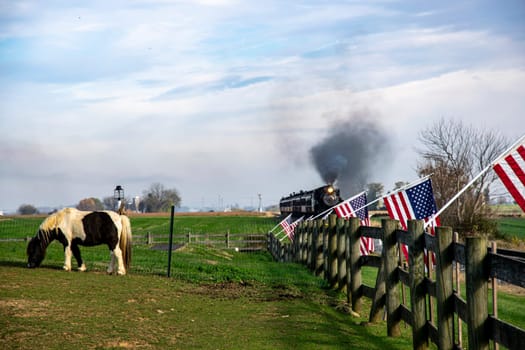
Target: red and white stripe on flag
511	171
366	244
396	205
344	210
356	207
402	208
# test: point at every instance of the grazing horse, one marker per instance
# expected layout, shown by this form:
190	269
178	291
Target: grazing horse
73	227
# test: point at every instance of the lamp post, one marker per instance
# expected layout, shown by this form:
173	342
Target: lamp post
118	195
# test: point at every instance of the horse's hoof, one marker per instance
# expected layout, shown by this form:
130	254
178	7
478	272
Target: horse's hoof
121	273
66	268
82	268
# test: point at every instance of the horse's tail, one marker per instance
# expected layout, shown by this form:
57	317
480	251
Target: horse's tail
125	241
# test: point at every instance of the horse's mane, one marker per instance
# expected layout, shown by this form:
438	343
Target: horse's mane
50	224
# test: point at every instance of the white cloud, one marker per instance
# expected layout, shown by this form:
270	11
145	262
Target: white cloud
242	84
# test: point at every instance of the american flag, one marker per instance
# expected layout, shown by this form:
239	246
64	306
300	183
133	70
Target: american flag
511	172
414	203
289	225
356	207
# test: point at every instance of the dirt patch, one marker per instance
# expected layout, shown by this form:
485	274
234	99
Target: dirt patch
166	247
283	292
122	344
227	290
234	290
24	308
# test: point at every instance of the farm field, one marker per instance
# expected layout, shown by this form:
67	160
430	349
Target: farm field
513	228
214	299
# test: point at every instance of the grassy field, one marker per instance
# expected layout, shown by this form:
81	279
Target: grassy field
215	299
512	228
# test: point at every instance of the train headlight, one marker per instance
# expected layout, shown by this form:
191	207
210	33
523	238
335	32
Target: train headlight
330	190
330	199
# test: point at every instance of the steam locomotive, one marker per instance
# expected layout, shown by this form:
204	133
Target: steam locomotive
311	202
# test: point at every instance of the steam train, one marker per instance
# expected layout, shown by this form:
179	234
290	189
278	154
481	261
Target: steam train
311	202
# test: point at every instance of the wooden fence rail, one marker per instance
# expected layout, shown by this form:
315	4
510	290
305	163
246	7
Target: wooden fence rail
241	241
330	248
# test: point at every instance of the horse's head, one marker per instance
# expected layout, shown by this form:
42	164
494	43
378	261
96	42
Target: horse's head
35	252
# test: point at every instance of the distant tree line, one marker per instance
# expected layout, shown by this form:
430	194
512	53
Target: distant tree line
157	198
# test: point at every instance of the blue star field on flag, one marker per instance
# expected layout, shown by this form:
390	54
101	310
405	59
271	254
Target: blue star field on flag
360	202
421	199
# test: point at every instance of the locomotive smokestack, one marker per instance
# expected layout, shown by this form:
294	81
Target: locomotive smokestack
349	154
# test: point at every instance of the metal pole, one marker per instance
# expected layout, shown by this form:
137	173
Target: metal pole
170	246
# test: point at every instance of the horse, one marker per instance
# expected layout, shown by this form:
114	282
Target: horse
73	228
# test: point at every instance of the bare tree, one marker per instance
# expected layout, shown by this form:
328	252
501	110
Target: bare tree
454	154
90	204
374	190
399	184
27	209
158	198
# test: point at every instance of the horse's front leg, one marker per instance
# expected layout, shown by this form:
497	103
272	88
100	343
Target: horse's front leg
67	254
76	252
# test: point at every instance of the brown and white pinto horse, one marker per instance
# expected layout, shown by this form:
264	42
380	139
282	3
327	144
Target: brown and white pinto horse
73	227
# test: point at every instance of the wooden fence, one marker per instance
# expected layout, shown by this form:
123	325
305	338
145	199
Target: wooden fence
330	248
239	241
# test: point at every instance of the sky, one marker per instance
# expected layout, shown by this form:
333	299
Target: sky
223	100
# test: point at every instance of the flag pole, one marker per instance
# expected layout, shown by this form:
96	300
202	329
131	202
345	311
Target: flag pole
475	179
286	218
274	227
321	214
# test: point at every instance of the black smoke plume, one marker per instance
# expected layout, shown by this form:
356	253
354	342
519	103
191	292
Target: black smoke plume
350	154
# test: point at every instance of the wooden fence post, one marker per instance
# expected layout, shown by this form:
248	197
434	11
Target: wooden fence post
458	291
282	251
416	266
332	251
296	243
494	282
318	252
379	299
304	242
477	292
444	287
355	268
309	243
341	246
346	230
325	249
390	260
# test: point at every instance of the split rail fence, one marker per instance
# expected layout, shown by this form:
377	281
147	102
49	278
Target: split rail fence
330	248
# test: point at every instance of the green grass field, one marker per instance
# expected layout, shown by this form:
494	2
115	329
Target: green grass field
512	227
215	299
